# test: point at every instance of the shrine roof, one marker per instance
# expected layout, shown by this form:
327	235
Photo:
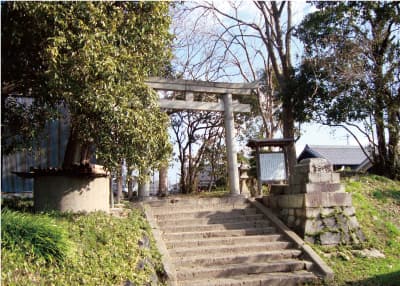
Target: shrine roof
281	142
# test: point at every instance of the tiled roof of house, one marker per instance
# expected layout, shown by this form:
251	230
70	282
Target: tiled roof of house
336	155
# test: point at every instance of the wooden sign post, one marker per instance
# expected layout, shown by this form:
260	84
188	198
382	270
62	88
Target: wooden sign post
272	167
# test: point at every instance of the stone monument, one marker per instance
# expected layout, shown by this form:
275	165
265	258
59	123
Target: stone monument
316	206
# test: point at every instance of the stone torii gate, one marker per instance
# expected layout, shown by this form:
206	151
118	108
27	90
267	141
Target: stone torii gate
227	106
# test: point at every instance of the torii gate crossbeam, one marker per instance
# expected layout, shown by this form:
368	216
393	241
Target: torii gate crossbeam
228	106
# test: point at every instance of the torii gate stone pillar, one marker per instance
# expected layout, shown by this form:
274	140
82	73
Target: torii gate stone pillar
230	145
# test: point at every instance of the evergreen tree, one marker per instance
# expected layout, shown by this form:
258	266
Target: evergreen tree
93	58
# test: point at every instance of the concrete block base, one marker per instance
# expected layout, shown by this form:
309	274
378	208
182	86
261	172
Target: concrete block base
71	193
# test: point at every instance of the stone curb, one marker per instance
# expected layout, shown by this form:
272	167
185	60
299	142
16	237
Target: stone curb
325	271
165	258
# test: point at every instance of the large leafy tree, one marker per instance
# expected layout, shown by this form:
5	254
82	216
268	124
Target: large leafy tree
353	58
91	57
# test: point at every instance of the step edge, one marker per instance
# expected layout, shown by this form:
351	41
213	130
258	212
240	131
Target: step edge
244	217
238	265
255	236
168	266
249	268
288	252
206	210
267	223
261	276
266	244
224	230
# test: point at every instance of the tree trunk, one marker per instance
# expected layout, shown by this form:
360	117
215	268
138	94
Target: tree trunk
189	181
76	152
379	107
393	144
182	180
163	180
73	151
86	153
212	174
288	133
288	125
130	187
119	190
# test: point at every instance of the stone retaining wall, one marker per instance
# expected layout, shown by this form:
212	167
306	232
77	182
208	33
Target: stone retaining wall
316	206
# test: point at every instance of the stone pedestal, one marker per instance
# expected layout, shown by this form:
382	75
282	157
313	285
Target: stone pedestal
316	206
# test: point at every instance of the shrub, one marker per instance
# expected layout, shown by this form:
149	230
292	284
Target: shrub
17	204
37	236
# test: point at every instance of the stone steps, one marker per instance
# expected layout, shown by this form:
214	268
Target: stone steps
210	220
230	249
219	233
185	202
237	257
185	205
222	240
271	279
204	212
198	272
178	209
226	242
211	227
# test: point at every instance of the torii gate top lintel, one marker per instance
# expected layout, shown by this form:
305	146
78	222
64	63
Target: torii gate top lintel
158	83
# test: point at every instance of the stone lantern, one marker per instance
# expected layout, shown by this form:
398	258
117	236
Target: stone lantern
243	169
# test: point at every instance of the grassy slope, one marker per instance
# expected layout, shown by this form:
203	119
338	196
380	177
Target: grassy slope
377	203
105	252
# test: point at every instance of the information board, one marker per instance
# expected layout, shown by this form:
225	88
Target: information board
272	167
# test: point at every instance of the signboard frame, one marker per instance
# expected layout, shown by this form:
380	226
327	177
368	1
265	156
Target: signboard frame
272	168
283	144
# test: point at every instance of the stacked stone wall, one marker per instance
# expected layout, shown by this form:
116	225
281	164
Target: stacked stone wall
316	206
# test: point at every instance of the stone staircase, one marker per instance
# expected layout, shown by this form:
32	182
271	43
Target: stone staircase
229	241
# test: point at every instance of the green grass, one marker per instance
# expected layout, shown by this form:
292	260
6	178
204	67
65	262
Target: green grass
377	203
214	193
105	251
19	204
36	235
217	193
